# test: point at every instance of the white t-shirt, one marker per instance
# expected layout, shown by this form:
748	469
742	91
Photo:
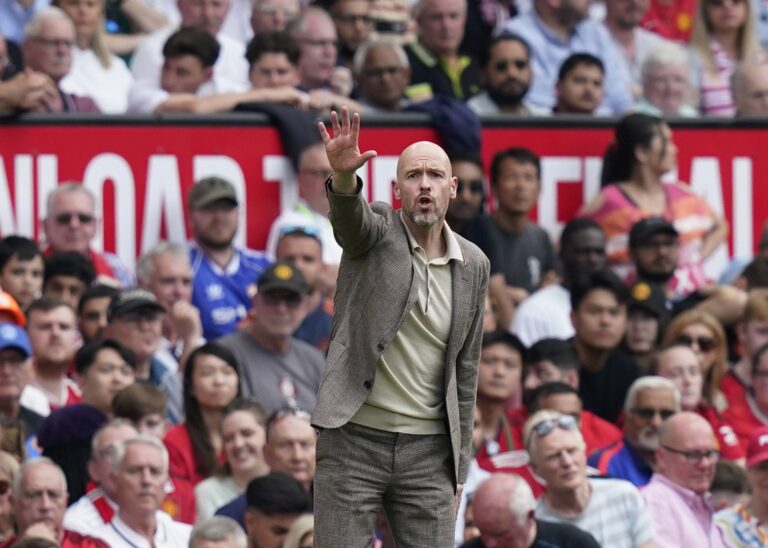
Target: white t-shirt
168	534
83	517
108	87
301	215
545	314
213	493
237	23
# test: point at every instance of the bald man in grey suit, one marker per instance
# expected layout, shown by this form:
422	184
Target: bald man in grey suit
395	408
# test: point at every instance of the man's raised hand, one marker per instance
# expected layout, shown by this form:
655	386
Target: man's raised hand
342	149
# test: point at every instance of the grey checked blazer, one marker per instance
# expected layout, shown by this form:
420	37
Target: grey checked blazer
375	291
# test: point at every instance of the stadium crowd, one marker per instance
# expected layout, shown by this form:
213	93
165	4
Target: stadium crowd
622	396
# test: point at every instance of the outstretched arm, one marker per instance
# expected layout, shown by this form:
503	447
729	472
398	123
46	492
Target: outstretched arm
343	150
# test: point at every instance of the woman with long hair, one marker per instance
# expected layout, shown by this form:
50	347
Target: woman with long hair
95	71
211	382
642	152
243	436
724	36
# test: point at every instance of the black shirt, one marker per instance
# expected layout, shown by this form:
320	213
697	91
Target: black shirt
524	257
478	231
603	391
552	535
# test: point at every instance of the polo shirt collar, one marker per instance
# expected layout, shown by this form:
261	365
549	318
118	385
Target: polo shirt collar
453	250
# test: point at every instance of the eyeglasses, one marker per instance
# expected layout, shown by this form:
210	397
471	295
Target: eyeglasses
475	186
66	218
321	43
503	64
647	413
52	494
352	18
547	426
274	298
705	344
381	72
694	457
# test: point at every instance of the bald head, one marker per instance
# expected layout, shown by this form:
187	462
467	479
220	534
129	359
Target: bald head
685	426
503	509
687	453
749	83
422	151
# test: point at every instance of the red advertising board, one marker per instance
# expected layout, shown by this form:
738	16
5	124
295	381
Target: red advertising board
140	171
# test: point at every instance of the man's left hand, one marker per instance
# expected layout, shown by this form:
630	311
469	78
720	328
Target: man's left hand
457	500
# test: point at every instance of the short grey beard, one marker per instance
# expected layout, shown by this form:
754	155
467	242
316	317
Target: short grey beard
425	220
648	440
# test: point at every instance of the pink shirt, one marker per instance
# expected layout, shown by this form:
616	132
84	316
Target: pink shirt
680	516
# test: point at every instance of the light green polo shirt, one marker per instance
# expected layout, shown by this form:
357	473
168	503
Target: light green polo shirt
408	394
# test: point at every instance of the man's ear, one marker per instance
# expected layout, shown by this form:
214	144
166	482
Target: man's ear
208	73
395	189
250	521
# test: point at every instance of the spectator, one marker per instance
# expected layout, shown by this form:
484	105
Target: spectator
95	72
723	36
67	275
230	70
382	74
145	406
276	368
140	472
92	311
579	85
301	532
273	58
224	274
217	531
311	209
650	401
14	17
739	525
516	183
677	495
748	415
647	316
666	90
506	76
15	373
599	315
505	513
642	152
730	486
274	502
21	269
437	65
556	30
40	497
749	87
8	470
135	321
210	384
166	272
622	21
70	225
242	439
302	247
547	313
97	507
354	26
104	368
612	511
752	333
52	330
290	445
273	15
27	91
48	41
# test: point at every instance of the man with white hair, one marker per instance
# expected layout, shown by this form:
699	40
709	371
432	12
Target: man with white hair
610	510
382	73
140	472
666	90
39	500
218	532
649	402
749	86
505	513
47	48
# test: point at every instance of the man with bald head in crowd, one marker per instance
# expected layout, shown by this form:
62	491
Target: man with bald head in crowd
677	495
749	85
505	513
398	396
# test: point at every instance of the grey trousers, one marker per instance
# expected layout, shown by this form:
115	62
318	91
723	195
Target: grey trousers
361	470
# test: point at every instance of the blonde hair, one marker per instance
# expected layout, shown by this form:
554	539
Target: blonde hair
8	465
756	307
701	37
715	374
98	42
300	528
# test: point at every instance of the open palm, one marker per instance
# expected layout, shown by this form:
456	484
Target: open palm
343	149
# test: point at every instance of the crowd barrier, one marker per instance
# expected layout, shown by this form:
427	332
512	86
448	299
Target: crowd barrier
140	169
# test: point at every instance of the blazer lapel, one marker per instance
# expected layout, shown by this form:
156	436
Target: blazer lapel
461	282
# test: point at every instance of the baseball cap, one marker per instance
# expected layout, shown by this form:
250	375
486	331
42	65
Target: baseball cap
650	297
283	276
209	190
645	228
13	336
9	305
130	300
757	449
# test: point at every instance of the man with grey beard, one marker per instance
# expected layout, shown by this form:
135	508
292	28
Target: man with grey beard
650	401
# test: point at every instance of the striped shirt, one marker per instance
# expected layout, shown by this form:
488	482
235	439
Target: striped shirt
615	515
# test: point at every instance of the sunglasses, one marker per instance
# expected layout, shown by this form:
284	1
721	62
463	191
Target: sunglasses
546	427
66	218
647	413
475	186
503	65
694	457
705	344
298	230
274	298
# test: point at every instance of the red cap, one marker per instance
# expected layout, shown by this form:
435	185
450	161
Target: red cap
9	305
757	450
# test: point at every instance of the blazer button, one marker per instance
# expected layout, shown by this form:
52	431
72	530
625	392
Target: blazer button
367	385
380	347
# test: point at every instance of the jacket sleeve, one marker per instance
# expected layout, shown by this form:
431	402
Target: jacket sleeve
356	226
